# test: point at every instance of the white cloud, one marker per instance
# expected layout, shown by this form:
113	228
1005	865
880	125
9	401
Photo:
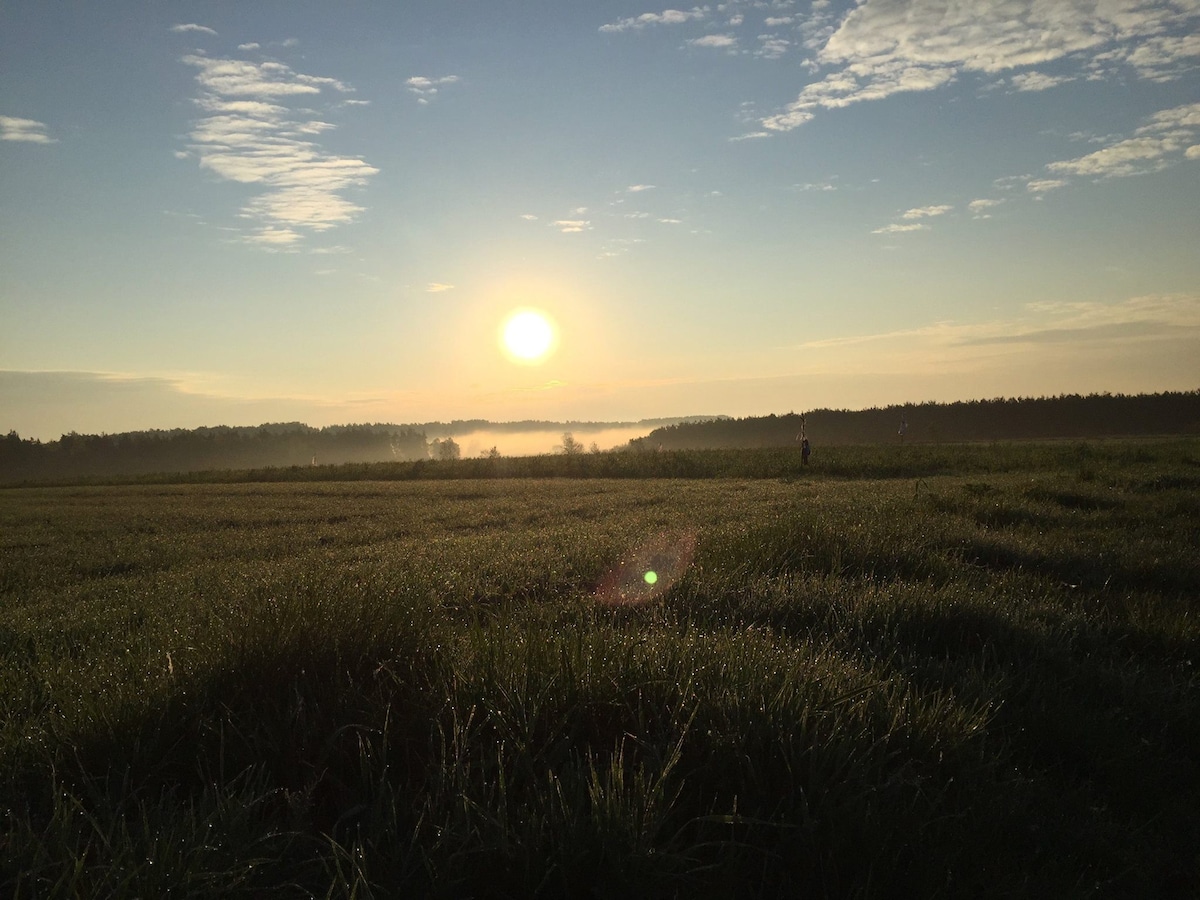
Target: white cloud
736	20
895	228
184	29
28	131
885	47
1187	116
572	226
250	136
670	221
1192	152
1165	57
666	17
253	45
772	46
1037	81
529	217
923	212
274	236
1041	185
637	188
238	78
1129	157
436	287
425	88
1162	141
817	186
714	40
979	208
775	21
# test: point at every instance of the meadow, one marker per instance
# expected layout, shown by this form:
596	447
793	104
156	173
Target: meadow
912	671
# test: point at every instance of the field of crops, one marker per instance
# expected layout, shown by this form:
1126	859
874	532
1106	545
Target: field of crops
867	678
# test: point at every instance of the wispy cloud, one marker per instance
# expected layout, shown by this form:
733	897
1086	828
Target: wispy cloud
27	131
638	188
426	88
979	208
925	212
1042	185
910	216
572	226
772	46
719	41
436	287
1166	138
666	17
191	27
896	228
885	47
808	186
1038	81
1163	315
249	135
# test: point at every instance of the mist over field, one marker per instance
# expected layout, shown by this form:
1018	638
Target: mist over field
546	440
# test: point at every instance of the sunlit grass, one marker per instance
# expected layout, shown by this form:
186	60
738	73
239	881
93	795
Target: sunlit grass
921	684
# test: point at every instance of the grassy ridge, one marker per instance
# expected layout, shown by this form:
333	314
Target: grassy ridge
978	684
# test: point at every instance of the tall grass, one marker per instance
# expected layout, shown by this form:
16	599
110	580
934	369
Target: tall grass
930	685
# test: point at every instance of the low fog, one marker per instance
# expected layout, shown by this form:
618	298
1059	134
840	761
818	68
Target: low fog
535	442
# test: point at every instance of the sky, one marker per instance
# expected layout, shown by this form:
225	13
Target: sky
234	213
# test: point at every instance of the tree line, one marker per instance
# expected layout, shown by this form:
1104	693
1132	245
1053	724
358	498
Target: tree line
283	445
1093	416
182	450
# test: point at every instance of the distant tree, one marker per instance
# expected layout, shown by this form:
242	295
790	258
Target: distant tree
491	454
446	448
570	446
594	448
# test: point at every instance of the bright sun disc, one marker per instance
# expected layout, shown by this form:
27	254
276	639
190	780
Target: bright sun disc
527	336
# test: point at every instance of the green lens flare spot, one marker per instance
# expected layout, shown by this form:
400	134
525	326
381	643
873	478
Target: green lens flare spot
651	577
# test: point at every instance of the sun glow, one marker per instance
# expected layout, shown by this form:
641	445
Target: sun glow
527	336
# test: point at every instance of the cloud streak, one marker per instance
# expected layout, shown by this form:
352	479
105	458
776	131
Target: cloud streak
1160	315
887	47
26	131
666	17
426	88
1167	137
250	135
192	27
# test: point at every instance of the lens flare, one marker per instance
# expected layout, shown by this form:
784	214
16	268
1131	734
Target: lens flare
647	571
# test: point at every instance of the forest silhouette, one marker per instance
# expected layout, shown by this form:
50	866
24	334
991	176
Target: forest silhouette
1071	416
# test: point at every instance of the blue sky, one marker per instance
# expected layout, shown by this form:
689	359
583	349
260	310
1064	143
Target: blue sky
230	213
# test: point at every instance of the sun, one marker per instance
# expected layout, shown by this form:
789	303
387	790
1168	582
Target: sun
527	336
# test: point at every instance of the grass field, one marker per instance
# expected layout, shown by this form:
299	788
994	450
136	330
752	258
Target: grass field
902	672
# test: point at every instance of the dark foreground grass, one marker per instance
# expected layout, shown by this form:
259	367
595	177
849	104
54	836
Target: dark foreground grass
959	686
